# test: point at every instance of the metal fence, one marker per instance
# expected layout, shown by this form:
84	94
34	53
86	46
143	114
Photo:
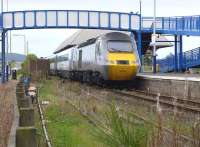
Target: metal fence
188	25
191	59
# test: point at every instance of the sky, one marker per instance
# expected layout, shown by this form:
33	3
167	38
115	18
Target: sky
44	42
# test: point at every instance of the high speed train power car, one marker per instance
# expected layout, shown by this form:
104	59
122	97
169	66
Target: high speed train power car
109	57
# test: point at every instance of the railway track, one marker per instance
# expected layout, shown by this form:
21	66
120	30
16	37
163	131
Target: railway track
165	100
173	102
133	114
182	104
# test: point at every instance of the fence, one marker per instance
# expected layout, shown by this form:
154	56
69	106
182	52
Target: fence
191	59
186	24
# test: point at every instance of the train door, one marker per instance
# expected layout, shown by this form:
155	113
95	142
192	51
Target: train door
72	59
56	64
80	59
98	53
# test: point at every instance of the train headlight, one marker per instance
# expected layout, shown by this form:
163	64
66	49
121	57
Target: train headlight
133	62
110	61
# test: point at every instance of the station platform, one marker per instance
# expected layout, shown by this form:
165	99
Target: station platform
186	86
171	76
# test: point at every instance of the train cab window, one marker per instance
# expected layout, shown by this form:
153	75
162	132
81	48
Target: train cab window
119	46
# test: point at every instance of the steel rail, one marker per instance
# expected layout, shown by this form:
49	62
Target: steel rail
43	121
151	98
140	117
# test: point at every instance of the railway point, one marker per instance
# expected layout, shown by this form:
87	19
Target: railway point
100	74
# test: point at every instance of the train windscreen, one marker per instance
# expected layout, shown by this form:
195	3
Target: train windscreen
119	46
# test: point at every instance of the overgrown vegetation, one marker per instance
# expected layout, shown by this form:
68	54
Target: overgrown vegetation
25	65
123	133
103	125
65	125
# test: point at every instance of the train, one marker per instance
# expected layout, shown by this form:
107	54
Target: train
109	57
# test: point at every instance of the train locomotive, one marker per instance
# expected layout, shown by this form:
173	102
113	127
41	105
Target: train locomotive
110	57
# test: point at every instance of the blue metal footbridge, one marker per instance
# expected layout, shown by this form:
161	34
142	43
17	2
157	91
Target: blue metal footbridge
82	19
191	59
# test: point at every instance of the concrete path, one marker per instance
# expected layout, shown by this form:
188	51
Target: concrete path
171	76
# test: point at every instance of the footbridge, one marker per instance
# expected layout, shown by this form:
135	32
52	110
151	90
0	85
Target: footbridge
178	27
84	19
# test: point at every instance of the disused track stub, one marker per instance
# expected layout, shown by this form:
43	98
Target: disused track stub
7	95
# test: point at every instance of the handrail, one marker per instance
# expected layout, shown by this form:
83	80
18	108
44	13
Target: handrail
175	24
191	58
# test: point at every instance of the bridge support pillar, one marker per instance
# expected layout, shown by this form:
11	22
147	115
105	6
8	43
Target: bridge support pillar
154	64
3	57
180	39
176	54
139	44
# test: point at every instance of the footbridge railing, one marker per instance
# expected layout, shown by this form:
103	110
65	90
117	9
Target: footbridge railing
77	19
191	59
184	25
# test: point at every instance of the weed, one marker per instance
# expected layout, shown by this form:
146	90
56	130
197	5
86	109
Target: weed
123	133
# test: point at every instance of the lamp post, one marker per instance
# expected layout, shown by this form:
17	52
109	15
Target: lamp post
140	37
9	32
1	5
154	38
24	36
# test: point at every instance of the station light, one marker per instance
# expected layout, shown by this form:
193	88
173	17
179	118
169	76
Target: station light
154	39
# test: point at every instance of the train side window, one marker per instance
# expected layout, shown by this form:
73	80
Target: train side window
66	58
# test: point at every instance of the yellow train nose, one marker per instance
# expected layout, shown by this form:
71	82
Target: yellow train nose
122	66
121	72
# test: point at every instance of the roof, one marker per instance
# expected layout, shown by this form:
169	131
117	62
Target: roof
161	42
80	37
83	35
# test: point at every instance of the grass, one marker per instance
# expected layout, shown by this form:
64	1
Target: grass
66	127
124	133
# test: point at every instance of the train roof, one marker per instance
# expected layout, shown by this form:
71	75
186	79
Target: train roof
82	36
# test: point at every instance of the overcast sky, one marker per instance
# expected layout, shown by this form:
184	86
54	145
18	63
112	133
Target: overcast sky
44	42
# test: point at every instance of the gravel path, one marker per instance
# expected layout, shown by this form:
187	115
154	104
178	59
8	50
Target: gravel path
7	94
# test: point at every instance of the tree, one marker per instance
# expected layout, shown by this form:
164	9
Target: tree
25	64
12	64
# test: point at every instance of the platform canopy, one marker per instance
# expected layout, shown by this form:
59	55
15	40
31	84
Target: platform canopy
82	36
161	42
